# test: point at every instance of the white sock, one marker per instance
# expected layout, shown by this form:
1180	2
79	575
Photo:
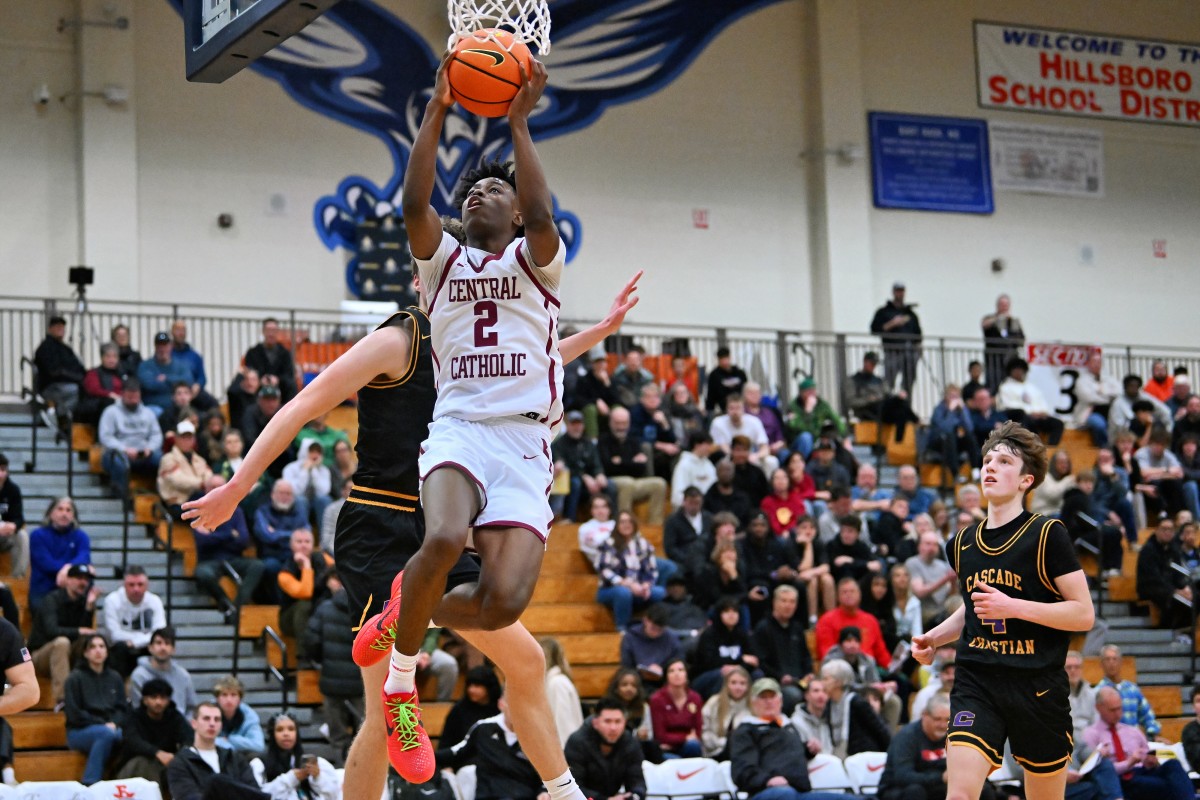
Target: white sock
9	777
564	787
402	673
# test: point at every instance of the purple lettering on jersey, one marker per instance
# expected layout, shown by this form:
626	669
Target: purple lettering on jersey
964	719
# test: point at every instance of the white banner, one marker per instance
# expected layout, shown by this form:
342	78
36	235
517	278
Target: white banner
1022	68
1047	160
1054	368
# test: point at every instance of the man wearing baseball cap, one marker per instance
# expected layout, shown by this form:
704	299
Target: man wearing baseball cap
159	375
770	760
60	618
183	471
577	455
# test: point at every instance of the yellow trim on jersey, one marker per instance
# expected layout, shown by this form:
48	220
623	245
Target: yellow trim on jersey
958	546
995	762
356	488
1044	769
1041	558
415	336
381	505
1002	548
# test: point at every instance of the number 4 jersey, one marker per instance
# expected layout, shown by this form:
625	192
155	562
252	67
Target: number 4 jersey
494	327
1022	559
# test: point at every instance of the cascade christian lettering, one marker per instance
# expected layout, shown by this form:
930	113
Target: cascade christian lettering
994	577
469	290
1005	647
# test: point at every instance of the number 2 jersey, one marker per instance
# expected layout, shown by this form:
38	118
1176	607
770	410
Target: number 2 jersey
1022	559
494	320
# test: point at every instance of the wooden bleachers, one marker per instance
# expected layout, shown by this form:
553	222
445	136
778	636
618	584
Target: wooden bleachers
1165	701
1172	727
48	765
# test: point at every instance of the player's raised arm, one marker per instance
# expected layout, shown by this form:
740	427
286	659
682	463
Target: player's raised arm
421	220
384	351
574	346
533	193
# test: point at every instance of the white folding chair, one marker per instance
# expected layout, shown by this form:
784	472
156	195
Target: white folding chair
138	788
685	779
53	790
865	769
465	778
826	773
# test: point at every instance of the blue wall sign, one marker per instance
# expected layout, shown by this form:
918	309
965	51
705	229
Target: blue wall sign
930	163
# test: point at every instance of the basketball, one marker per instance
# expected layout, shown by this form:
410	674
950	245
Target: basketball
485	73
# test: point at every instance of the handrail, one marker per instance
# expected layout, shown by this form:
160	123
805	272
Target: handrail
31	391
161	513
236	602
270	669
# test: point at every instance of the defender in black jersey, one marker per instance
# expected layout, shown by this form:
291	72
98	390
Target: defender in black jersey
1024	593
380	526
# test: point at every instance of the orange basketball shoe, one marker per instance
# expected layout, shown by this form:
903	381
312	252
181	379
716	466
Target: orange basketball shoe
375	638
408	746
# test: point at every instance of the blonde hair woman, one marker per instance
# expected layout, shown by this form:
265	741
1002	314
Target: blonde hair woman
560	690
723	712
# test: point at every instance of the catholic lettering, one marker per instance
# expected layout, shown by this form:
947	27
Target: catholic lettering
487	365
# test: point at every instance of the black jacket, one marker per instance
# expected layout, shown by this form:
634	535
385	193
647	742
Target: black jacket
329	640
737	503
1156	580
12	506
601	776
145	736
761	751
913	760
56	615
57	363
278	362
579	455
765	556
188	775
718	646
782	651
502	772
867	731
617	456
679	536
94	698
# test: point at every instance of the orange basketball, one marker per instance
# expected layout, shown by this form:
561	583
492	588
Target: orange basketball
484	75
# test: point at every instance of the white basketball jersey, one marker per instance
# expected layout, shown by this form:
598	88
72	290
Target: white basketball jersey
494	328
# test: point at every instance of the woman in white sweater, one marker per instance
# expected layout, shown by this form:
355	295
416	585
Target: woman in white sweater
560	690
1060	478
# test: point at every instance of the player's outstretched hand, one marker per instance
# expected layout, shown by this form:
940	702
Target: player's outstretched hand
441	82
532	85
922	649
622	304
212	509
990	602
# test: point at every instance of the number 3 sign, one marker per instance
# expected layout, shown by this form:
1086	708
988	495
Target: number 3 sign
1054	368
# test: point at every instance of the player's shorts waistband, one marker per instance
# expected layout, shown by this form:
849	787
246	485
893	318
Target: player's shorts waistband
530	423
1006	672
383	498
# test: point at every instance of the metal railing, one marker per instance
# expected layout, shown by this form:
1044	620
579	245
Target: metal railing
237	609
269	636
777	359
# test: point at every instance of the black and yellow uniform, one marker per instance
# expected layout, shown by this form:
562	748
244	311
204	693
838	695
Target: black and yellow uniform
381	527
1010	682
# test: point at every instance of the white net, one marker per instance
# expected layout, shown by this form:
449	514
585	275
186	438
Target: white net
528	20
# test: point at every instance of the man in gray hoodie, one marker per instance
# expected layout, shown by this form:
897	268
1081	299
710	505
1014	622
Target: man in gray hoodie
160	664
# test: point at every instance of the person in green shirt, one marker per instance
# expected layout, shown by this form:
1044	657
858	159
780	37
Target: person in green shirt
807	414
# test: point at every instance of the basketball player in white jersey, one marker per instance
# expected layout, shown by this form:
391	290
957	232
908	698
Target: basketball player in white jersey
388	368
486	466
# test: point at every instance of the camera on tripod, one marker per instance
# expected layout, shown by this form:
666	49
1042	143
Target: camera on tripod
81	277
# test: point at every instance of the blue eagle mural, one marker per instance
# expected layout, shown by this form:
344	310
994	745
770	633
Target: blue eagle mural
362	65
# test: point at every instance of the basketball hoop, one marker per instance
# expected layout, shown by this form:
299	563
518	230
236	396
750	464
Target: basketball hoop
528	20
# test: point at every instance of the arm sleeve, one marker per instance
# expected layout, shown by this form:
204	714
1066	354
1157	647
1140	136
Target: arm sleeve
300	588
181	782
633	780
902	755
1060	558
575	752
431	270
77	715
250	735
1146	718
136	744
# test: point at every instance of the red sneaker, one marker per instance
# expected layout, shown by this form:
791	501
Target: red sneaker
408	746
375	638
